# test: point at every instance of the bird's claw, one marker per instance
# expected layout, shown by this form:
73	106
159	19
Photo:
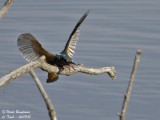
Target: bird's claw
70	66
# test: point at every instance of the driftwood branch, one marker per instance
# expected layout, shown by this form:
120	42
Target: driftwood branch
5	7
50	68
127	95
28	68
46	98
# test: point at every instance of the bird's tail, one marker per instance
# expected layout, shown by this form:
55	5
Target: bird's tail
52	77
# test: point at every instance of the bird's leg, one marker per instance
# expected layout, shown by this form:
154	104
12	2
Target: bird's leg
70	66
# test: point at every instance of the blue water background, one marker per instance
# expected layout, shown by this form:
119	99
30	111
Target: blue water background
110	36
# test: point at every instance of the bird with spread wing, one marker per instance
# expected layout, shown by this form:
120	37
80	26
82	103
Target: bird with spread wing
32	50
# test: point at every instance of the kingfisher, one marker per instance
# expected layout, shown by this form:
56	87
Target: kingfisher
32	50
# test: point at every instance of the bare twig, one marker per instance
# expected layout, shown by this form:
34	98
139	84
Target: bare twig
127	95
5	7
47	100
50	68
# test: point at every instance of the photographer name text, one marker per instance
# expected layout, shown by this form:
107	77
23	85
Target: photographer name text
15	114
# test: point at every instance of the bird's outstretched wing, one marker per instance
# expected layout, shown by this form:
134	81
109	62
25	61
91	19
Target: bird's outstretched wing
71	43
31	49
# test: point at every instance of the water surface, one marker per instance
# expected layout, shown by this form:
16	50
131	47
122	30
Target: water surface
110	36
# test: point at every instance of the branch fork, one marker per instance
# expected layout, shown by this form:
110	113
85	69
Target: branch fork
50	68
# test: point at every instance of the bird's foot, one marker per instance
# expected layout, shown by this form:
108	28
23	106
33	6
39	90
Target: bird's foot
70	66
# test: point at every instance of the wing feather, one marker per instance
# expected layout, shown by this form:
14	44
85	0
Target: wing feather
72	41
31	49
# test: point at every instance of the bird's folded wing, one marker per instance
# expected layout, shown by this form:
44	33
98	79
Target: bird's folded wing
31	49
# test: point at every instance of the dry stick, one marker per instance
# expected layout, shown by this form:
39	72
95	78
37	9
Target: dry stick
127	95
5	7
47	100
4	80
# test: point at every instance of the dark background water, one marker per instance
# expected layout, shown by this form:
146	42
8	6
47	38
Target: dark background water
110	36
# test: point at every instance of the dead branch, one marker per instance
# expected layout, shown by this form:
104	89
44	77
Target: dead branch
127	95
50	68
46	98
5	7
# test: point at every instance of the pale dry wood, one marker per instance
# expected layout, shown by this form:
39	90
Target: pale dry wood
50	68
17	73
5	7
46	98
127	95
